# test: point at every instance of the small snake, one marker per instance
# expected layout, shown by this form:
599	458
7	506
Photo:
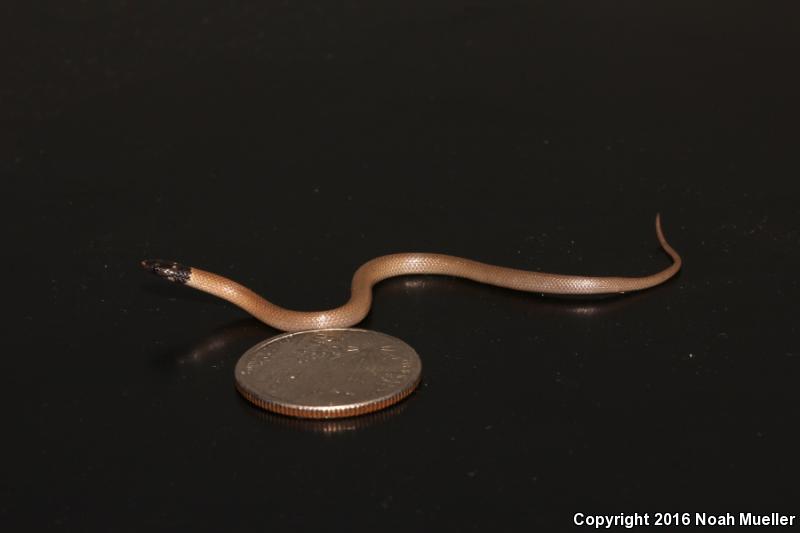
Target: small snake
389	266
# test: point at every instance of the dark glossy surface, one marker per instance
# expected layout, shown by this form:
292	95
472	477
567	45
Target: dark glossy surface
283	146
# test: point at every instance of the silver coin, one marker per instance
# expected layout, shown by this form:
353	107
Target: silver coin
328	373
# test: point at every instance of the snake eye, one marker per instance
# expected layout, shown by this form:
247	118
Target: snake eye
169	270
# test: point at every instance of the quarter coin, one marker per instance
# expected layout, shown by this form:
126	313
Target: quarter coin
328	373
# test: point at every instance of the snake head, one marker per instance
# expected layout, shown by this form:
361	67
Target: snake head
169	270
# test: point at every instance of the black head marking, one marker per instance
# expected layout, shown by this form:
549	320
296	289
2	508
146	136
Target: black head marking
169	270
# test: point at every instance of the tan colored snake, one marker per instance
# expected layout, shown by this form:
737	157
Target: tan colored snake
389	266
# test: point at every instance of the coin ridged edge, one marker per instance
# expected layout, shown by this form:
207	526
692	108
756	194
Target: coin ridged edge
328	411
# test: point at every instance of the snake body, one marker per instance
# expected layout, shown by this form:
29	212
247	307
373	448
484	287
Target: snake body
389	266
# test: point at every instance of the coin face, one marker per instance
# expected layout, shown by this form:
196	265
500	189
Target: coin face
328	373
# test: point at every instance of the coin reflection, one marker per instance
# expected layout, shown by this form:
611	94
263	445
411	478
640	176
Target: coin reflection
334	426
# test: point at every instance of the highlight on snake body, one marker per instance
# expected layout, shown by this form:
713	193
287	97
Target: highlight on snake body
402	264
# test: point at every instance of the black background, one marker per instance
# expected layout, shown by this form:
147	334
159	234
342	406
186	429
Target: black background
283	144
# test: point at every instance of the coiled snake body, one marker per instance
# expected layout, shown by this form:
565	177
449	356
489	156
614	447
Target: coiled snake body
389	266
